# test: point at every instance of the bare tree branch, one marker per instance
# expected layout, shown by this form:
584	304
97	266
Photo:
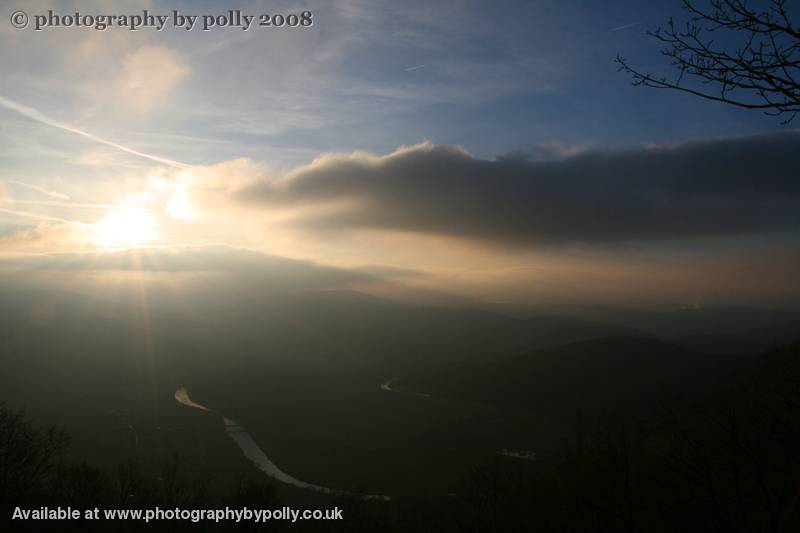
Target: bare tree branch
760	72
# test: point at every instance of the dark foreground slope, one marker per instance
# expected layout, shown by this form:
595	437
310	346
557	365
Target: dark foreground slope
727	462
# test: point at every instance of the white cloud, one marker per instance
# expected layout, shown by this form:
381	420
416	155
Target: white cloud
48	236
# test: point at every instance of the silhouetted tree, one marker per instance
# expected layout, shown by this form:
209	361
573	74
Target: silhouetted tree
33	473
27	454
759	69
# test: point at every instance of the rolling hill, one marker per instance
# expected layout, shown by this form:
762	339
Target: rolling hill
597	376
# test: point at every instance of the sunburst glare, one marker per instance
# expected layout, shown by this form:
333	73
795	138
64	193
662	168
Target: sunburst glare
125	227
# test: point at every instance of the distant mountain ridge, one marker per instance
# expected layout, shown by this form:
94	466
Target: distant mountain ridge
600	375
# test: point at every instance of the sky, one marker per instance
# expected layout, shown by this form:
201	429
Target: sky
473	150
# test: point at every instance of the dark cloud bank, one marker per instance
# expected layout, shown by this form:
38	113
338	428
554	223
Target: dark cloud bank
691	190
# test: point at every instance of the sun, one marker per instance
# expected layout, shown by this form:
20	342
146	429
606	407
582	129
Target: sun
125	227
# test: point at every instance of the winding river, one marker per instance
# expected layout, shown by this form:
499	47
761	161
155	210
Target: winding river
252	451
387	387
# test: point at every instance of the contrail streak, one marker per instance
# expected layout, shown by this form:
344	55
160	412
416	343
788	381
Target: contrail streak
34	114
625	27
68	205
36	216
40	189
